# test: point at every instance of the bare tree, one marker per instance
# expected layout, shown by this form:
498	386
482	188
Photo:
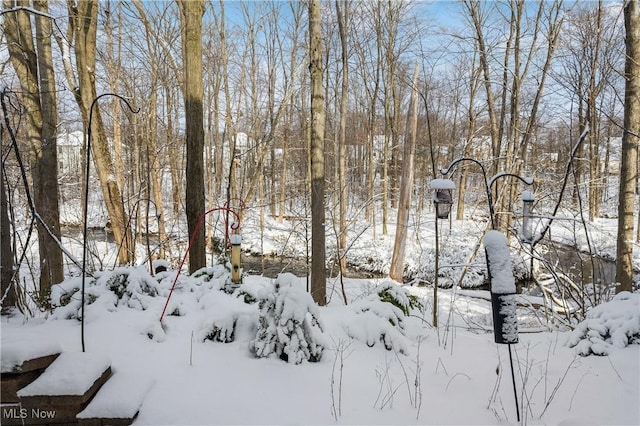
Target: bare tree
33	64
526	62
318	267
83	26
343	22
191	13
8	293
630	143
406	185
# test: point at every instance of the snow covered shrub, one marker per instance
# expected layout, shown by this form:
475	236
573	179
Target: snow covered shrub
61	294
289	325
133	286
219	274
381	316
66	298
129	282
249	292
209	274
614	324
124	286
391	292
221	331
225	318
373	320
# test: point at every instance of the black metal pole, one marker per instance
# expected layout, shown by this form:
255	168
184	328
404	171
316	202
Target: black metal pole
86	205
488	185
435	281
513	380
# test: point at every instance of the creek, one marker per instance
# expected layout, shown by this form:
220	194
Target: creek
581	267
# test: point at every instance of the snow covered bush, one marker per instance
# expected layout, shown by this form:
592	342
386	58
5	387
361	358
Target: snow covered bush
225	317
399	297
130	284
220	274
66	298
375	321
380	317
289	324
614	324
124	286
210	274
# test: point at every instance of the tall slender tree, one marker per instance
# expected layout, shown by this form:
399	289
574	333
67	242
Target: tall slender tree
406	185
83	28
33	64
318	267
343	15
630	143
8	293
191	13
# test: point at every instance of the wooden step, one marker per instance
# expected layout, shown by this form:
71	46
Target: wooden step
117	402
62	391
22	362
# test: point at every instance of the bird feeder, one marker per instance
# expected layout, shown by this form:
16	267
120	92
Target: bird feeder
528	198
503	288
236	264
442	196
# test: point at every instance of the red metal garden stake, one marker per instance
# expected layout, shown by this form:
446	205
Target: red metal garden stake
193	235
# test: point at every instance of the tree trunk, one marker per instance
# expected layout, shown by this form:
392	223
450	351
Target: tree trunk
191	13
630	143
47	169
318	267
41	127
473	7
156	172
593	114
175	154
406	185
7	289
343	21
113	61
84	19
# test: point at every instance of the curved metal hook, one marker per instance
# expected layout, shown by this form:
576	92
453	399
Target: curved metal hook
86	201
486	183
501	175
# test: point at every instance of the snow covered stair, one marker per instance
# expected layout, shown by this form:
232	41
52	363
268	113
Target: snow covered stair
22	363
63	390
117	402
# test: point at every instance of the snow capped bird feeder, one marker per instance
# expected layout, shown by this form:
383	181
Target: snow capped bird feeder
236	264
528	198
503	288
442	196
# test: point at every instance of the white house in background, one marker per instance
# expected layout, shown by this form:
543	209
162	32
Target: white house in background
242	142
69	153
615	155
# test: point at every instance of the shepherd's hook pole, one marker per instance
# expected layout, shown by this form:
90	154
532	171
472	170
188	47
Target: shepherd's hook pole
86	204
488	186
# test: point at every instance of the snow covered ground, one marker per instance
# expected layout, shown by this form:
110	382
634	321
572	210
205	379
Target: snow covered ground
453	374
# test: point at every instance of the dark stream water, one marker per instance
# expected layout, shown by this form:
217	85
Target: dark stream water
271	266
268	266
580	267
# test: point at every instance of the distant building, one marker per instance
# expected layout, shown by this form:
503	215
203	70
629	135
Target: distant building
69	153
